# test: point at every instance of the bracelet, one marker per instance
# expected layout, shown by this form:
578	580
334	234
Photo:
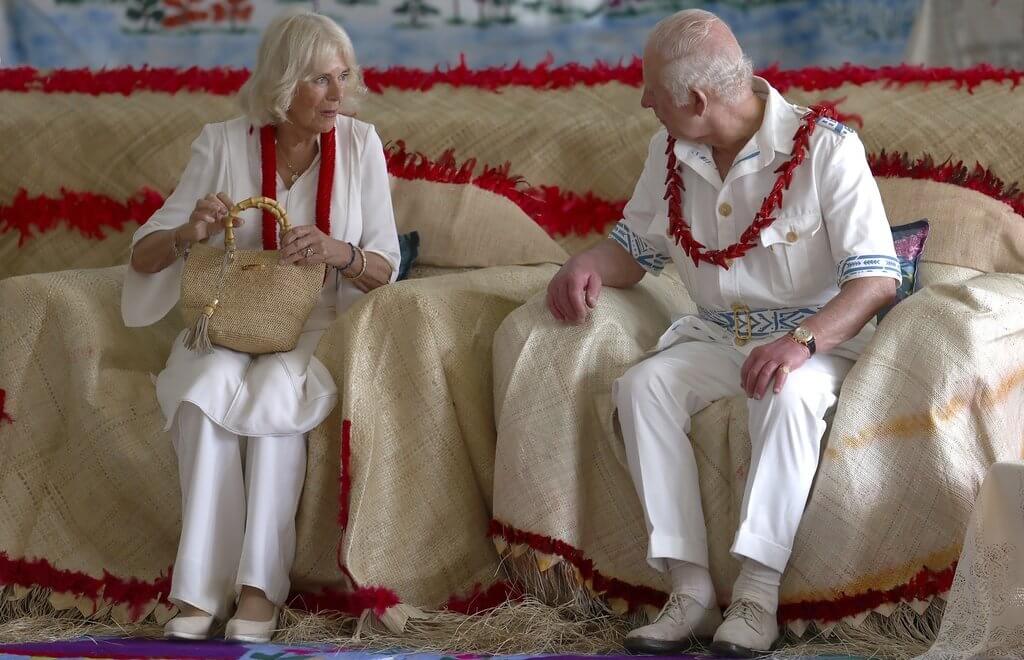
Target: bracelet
351	259
178	251
362	257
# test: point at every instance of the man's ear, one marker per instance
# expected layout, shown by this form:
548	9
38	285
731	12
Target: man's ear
700	102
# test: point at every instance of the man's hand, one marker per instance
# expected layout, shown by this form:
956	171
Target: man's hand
573	292
574	289
774	360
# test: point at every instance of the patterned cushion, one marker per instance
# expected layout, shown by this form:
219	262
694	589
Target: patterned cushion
409	246
909	240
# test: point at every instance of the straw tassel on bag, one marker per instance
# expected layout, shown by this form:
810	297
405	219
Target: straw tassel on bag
198	337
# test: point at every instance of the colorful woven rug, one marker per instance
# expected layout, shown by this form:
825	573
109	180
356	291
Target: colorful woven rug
121	649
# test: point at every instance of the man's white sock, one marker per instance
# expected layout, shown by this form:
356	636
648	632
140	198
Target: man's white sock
758	583
693	580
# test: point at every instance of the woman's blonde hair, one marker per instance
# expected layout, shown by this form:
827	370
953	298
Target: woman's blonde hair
293	45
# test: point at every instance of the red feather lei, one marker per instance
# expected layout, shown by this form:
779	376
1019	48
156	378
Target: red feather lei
324	183
679	229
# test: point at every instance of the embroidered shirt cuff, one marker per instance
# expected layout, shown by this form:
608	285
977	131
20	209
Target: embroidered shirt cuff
649	258
869	265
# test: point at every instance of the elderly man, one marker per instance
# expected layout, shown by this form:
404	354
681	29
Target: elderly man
774	222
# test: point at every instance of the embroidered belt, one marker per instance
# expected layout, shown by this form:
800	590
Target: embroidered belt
746	324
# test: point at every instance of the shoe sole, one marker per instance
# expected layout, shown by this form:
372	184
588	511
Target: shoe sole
188	637
248	639
659	646
730	650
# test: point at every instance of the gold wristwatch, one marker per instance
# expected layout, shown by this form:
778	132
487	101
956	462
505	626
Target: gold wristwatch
803	336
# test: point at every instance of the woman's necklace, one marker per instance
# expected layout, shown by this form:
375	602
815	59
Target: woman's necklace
294	173
291	170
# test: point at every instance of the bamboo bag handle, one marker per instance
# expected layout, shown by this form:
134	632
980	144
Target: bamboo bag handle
262	203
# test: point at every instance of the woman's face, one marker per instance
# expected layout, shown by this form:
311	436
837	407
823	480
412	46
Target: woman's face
317	99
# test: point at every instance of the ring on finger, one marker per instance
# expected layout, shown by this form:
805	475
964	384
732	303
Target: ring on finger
307	252
784	369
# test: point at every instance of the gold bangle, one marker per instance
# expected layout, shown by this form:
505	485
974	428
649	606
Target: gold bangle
362	257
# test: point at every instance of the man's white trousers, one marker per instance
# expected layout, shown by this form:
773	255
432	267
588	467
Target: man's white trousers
239	497
656	400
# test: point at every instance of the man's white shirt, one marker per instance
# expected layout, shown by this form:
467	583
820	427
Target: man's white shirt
831	228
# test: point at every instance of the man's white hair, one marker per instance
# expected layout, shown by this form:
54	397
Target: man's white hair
693	61
293	45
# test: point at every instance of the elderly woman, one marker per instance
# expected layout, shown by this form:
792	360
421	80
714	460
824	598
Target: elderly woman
238	422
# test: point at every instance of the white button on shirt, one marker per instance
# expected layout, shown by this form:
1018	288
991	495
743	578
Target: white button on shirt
831	227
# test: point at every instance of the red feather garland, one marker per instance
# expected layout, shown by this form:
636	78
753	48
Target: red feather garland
680	230
268	182
226	81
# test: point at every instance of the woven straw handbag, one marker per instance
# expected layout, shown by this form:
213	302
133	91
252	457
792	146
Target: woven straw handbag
243	299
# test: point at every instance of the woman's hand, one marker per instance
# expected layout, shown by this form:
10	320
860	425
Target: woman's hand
376	274
207	218
306	244
162	248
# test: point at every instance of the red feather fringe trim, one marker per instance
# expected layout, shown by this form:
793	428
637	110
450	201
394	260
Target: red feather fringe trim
818	78
87	213
926	584
608	587
541	76
123	80
352	603
559	212
345	478
225	81
568	213
136	594
481	600
4	417
409	165
890	165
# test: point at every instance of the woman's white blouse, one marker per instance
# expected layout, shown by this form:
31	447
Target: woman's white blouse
280	393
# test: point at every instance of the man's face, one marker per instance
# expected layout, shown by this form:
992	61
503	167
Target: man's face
682	122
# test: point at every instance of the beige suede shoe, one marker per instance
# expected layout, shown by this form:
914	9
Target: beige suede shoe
252	632
190	627
681	624
749	631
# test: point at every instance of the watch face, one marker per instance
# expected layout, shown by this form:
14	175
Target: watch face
802	334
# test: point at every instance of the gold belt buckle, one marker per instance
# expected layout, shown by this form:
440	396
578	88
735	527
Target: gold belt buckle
741	337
